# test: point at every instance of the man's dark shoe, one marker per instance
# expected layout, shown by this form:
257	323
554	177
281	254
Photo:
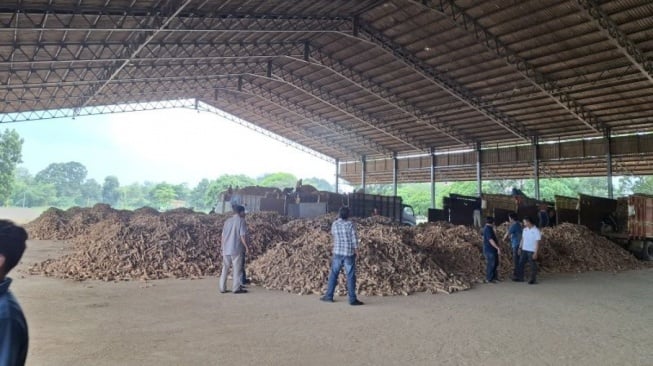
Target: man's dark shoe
326	299
240	291
532	282
224	292
356	303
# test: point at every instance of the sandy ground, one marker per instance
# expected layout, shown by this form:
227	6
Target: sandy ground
20	215
590	319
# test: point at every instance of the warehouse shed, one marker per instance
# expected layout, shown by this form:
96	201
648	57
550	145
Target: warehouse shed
391	91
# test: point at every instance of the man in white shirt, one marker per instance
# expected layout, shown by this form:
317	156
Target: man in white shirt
530	243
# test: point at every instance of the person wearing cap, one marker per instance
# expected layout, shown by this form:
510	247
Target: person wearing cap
345	245
234	248
529	246
14	337
491	251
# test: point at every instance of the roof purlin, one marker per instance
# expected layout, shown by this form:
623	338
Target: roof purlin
542	82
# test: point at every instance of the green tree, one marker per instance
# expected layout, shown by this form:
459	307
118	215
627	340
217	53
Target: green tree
11	146
198	196
630	185
91	193
279	180
111	190
135	196
319	183
163	194
226	180
67	179
417	195
28	193
181	191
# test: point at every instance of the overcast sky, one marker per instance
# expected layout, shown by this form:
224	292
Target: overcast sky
175	146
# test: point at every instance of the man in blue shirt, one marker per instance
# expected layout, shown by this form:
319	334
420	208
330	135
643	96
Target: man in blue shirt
514	232
13	326
491	251
345	244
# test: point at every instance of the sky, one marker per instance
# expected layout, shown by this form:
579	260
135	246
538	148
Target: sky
174	146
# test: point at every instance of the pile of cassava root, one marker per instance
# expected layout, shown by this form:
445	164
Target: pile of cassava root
294	255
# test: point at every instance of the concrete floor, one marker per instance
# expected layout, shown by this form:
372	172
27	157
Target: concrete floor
589	319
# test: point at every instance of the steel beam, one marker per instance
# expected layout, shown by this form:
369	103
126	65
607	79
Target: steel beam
608	155
591	9
284	122
395	174
95	110
204	18
542	82
345	107
536	166
310	115
290	126
479	170
445	83
329	62
202	106
433	162
148	37
337	174
363	172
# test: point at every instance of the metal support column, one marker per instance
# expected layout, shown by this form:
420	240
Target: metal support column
479	181
395	173
432	178
363	172
337	173
536	167
608	149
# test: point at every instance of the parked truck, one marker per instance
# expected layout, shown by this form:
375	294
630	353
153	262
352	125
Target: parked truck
306	202
363	205
628	221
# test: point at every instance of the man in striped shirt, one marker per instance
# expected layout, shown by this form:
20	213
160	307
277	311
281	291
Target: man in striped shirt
345	244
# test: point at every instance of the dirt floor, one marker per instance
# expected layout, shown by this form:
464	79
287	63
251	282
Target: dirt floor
590	319
20	215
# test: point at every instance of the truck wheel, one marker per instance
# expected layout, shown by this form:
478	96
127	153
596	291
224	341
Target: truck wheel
647	251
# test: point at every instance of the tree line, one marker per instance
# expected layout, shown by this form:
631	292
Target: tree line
66	184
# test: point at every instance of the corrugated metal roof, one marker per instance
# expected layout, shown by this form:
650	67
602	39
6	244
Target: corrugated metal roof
345	78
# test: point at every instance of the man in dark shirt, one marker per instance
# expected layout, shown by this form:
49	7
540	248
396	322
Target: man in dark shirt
491	250
13	326
543	216
514	232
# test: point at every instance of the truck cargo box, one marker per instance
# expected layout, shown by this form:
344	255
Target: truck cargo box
592	210
362	205
307	210
640	216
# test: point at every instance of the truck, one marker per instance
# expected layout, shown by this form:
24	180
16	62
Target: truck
306	202
628	221
363	205
253	198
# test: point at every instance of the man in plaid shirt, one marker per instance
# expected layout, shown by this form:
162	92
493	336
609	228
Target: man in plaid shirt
345	244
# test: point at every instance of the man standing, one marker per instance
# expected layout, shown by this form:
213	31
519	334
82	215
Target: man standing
514	232
13	326
491	251
345	244
243	277
530	243
478	206
543	216
234	247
